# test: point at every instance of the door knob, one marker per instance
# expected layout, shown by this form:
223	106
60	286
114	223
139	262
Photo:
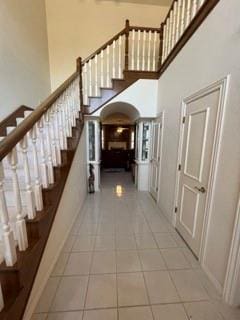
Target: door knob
202	189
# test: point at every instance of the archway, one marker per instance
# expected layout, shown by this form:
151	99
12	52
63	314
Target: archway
118	141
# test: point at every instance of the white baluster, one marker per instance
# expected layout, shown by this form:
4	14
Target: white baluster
85	84
144	50
170	31
96	75
174	24
114	60
138	50
183	17
55	134
102	73
31	212
68	115
194	8
188	18
9	249
49	150
164	43
1	299
108	67
154	50
37	184
167	37
133	50
46	176
20	223
120	57
90	77
178	22
149	51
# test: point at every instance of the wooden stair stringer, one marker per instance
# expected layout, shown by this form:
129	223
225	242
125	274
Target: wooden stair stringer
118	86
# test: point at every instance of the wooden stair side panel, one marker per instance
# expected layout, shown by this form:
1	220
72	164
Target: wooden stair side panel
21	276
118	86
10	120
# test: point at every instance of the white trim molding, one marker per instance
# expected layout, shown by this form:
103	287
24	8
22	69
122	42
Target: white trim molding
231	292
221	85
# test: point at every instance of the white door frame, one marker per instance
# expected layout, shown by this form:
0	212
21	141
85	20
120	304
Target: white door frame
222	85
231	292
160	117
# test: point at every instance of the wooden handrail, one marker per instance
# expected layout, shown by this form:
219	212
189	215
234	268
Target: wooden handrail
169	11
11	140
136	28
104	46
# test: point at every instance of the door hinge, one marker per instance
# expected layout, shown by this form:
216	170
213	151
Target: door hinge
157	189
183	119
176	209
179	167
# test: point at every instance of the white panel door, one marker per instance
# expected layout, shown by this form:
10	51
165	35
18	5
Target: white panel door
197	149
155	157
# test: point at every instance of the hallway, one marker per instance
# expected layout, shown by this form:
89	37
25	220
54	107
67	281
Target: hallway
124	261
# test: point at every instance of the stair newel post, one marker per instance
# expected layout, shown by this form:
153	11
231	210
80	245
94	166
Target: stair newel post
120	57
80	72
37	186
31	211
10	255
20	223
43	163
160	59
127	31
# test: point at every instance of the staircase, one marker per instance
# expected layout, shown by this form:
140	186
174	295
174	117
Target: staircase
37	147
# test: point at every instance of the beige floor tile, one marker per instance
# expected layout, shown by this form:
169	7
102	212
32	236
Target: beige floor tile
160	287
175	259
107	314
169	312
60	265
188	285
74	315
105	243
83	243
131	289
203	310
125	242
88	229
39	316
145	241
178	240
165	240
70	294
229	313
128	261
47	296
102	292
138	313
190	258
104	262
159	227
152	259
78	263
106	229
69	243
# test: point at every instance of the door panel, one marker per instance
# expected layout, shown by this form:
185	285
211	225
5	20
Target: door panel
197	148
155	159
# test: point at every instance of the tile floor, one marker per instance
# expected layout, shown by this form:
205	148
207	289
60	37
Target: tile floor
124	261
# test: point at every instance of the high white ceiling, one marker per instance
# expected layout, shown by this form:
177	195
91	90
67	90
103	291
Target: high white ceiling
150	2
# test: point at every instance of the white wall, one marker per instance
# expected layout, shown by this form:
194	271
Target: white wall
24	65
70	205
211	54
79	27
142	95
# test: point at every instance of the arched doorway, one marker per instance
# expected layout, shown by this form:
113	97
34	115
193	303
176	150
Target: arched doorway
117	121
